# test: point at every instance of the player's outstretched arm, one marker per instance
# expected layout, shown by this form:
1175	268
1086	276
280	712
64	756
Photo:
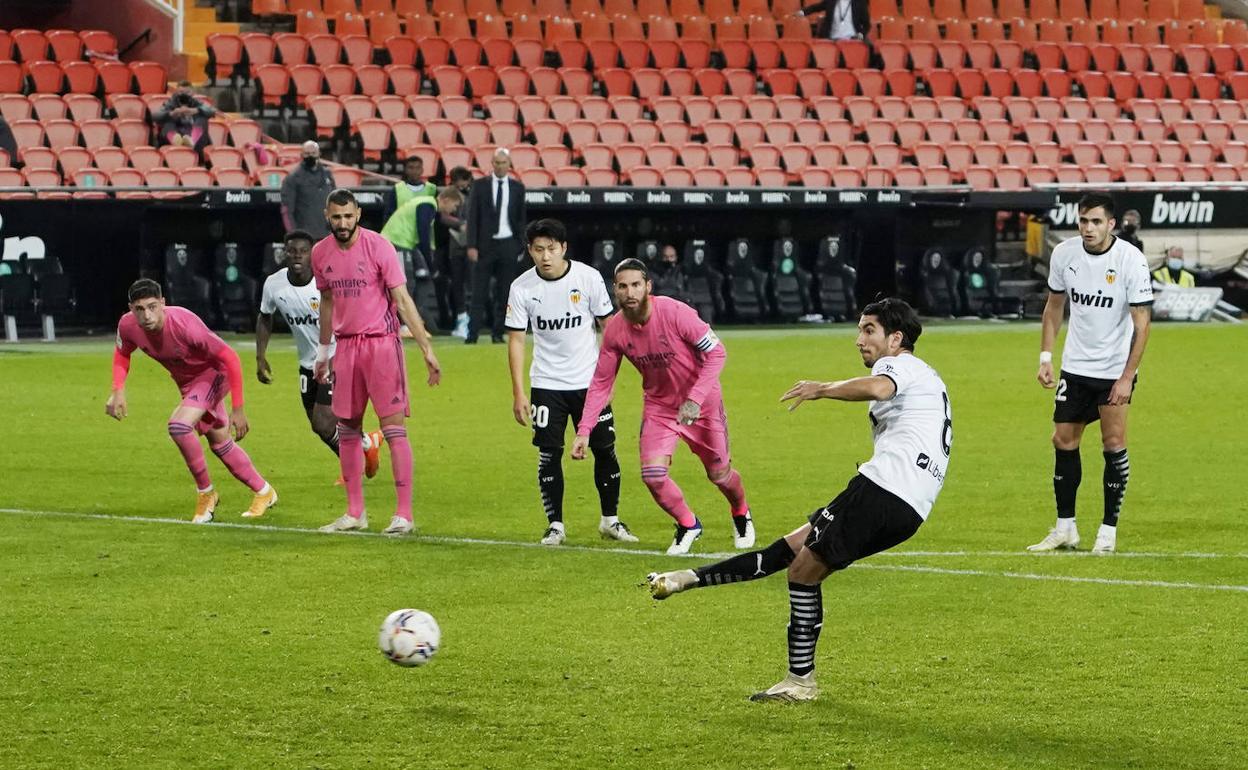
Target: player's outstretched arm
115	407
872	388
1050	324
410	316
264	330
515	363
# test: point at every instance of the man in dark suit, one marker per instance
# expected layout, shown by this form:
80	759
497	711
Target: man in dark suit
842	19
496	220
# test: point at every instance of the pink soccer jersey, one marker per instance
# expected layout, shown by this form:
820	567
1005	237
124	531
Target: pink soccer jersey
184	346
677	353
360	278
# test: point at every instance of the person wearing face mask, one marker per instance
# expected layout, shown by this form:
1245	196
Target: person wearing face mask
304	192
1172	273
1130	230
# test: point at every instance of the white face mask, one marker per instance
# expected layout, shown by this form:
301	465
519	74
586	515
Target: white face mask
1174	263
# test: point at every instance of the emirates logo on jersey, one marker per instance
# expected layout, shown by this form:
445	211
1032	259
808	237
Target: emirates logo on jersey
1110	276
575	296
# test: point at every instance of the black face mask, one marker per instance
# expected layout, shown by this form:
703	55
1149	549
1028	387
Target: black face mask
1128	228
309	163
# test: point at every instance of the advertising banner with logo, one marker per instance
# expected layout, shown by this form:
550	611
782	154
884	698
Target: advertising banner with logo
1178	209
1177	303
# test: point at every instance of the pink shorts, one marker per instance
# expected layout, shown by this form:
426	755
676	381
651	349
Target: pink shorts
370	369
707	437
207	392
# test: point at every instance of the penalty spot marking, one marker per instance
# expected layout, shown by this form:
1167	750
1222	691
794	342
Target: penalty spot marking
699	556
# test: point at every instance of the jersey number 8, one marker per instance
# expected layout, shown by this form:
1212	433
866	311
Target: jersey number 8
946	433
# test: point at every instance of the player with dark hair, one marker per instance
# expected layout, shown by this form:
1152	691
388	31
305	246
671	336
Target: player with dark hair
204	368
290	292
881	507
1111	294
363	289
680	359
562	302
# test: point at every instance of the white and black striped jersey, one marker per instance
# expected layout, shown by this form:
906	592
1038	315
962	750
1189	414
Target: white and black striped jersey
300	306
1101	288
561	313
912	431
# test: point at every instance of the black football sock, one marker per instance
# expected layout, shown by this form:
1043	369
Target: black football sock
1117	471
1067	473
747	566
550	482
607	479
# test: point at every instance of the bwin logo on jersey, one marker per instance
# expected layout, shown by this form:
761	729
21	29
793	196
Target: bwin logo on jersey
568	321
1092	300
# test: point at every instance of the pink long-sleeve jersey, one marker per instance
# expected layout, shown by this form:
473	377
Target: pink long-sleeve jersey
677	353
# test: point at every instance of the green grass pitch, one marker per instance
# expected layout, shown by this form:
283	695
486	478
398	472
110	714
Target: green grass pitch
128	640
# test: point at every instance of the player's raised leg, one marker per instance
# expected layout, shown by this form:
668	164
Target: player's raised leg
1114	480
1067	473
736	569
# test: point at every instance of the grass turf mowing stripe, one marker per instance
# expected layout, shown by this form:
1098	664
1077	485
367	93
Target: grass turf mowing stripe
644	552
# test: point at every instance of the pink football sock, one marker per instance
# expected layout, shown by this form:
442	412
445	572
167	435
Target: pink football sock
192	452
734	491
239	464
401	464
667	494
351	459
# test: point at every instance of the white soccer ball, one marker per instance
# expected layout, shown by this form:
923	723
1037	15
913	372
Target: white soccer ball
409	637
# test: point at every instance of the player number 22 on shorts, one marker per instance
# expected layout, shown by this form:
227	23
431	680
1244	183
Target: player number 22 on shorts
540	416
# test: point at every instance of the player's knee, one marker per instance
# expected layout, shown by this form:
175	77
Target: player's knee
1065	442
324	426
719	475
178	429
654	477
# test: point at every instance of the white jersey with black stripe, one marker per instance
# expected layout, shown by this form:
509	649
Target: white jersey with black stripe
561	312
912	431
1102	289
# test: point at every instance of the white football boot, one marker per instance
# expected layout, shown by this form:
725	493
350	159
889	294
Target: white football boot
791	689
664	584
347	523
553	535
1063	537
1106	540
399	526
683	540
743	537
616	530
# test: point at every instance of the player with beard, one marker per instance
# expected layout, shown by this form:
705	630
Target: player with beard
680	359
290	292
363	297
881	507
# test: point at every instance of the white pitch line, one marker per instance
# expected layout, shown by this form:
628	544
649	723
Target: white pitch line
644	552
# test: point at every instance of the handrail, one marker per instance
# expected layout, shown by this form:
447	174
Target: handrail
174	8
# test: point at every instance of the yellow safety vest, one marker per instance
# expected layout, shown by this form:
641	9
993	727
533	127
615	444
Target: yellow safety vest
403	193
1186	279
400	229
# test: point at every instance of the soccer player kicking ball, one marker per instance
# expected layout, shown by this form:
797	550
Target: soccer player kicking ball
362	288
290	292
1111	294
204	368
562	301
882	506
680	359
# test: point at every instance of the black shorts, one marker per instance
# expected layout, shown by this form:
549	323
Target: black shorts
312	392
1078	398
550	410
862	520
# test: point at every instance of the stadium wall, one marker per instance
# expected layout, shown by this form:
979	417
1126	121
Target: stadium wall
126	19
